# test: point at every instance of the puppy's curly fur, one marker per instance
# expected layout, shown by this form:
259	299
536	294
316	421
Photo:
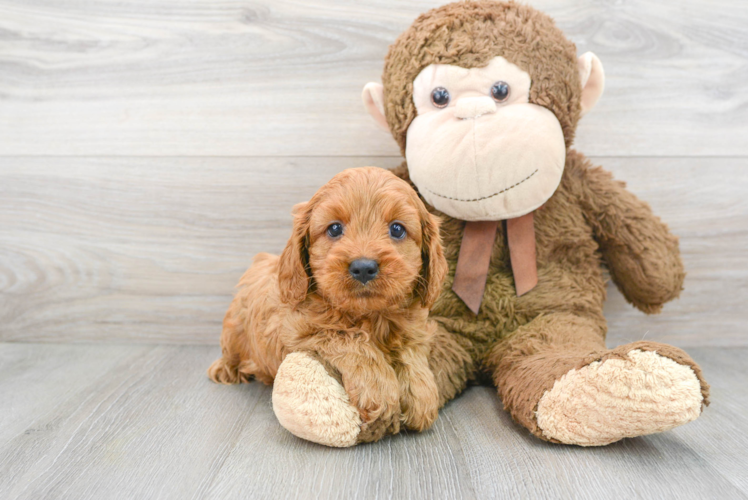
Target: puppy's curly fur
374	337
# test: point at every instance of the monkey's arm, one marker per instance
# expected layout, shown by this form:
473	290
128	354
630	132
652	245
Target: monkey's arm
642	255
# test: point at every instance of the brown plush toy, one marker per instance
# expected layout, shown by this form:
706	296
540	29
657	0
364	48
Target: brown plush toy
483	99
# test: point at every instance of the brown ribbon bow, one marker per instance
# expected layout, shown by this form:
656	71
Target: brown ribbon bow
475	257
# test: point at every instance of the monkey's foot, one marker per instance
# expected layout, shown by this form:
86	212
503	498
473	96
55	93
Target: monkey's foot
630	392
312	405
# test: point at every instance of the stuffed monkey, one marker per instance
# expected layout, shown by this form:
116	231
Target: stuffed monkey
483	99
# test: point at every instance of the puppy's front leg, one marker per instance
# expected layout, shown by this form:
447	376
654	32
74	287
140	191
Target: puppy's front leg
371	385
419	395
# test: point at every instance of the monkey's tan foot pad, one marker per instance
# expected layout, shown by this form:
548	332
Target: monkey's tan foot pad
312	405
605	401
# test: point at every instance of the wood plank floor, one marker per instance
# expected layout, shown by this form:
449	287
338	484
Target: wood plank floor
143	421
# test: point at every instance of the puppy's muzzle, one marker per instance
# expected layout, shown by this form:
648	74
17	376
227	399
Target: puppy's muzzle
364	270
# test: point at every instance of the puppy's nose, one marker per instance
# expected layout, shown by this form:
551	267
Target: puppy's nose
364	270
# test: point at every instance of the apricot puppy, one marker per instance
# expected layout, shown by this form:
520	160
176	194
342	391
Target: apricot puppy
353	289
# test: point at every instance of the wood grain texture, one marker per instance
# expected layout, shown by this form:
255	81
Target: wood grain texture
705	203
149	249
34	381
153	426
138	433
281	77
138	248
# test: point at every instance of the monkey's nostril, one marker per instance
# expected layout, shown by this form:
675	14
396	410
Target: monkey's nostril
473	107
363	270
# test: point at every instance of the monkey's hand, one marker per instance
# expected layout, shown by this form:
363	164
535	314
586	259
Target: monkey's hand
642	255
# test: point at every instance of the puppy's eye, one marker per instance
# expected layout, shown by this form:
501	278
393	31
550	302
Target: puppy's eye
335	229
397	231
500	91
440	97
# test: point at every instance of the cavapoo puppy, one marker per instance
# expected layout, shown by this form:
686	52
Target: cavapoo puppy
353	288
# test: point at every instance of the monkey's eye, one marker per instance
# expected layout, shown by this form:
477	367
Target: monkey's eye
397	231
440	97
500	91
335	229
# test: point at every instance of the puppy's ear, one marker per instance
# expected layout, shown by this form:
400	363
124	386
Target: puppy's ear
293	270
434	264
299	207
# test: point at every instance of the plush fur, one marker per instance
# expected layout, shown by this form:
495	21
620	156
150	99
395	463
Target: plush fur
470	34
544	350
526	344
312	404
374	339
597	393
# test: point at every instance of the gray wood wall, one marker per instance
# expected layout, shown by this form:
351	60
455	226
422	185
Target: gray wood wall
149	148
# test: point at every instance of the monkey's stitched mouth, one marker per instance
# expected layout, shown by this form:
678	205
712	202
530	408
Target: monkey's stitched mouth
484	197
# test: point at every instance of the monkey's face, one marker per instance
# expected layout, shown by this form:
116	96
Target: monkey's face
478	149
483	98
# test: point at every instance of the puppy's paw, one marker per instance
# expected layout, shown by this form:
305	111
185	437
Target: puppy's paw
376	397
221	373
420	404
312	405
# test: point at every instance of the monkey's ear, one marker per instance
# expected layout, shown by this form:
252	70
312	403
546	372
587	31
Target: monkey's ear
593	80
373	96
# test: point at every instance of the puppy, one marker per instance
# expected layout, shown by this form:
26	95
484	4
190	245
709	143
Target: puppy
353	288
